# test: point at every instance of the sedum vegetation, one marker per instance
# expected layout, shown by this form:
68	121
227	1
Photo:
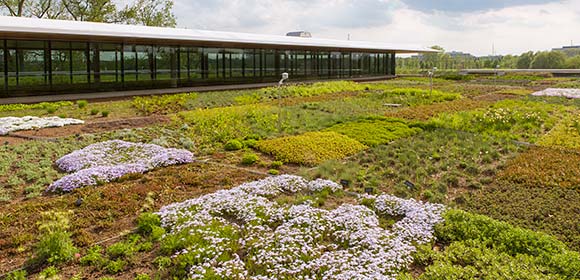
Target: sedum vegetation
310	148
390	145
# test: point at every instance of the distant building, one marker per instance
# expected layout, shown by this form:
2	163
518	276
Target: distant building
567	48
456	54
303	34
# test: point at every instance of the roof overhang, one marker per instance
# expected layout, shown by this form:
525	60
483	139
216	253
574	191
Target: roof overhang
32	28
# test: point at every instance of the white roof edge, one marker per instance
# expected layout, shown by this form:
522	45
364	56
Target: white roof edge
77	28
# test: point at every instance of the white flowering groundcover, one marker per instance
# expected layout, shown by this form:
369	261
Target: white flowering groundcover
106	161
559	92
242	233
10	124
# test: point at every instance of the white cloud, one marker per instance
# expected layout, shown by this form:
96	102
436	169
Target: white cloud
512	29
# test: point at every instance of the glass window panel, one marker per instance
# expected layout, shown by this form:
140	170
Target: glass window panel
107	63
249	66
60	67
195	68
323	67
365	65
130	63
183	63
335	64
345	67
269	65
166	63
236	56
80	63
26	63
356	64
300	64
144	63
2	77
214	63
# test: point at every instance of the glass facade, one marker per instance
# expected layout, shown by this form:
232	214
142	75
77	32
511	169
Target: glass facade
33	67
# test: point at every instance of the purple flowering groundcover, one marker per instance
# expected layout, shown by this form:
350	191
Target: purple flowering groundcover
107	161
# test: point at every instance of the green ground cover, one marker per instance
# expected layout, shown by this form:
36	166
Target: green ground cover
477	247
539	190
375	131
566	134
511	119
452	146
442	165
310	148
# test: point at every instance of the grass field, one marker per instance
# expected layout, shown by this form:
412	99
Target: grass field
474	180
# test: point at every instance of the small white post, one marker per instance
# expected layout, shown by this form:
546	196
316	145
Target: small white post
280	84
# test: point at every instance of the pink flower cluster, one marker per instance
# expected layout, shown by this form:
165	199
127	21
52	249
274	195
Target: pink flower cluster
106	161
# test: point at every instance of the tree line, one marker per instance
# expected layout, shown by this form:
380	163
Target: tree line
140	12
568	59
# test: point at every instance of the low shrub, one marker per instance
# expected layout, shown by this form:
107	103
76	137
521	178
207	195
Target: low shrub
276	164
104	113
51	109
16	275
250	158
142	276
233	145
116	266
42	105
273	172
162	104
82	103
250	143
311	148
149	224
50	272
94	112
93	257
375	131
55	244
478	247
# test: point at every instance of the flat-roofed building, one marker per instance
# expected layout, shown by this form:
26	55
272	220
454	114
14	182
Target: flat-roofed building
41	56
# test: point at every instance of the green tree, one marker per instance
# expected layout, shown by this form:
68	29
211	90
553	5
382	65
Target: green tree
549	60
149	13
143	12
430	60
573	62
91	10
509	62
525	60
16	8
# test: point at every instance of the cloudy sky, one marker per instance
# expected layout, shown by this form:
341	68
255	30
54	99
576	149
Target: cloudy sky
512	26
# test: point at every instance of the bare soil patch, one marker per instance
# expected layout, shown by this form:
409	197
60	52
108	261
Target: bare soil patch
111	209
91	127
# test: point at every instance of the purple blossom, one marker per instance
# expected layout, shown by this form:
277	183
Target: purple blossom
94	176
107	161
299	241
